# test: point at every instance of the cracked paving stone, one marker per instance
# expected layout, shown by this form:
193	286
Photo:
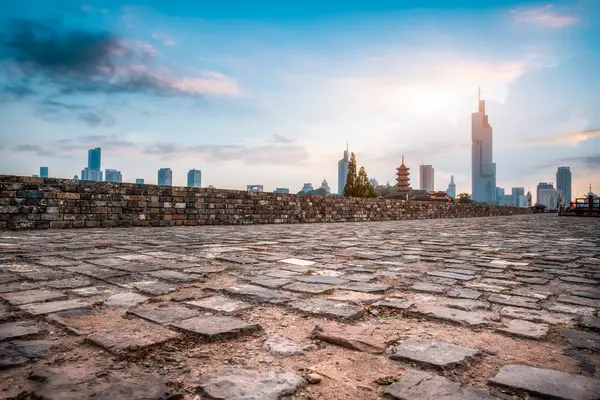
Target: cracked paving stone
20	329
272	283
155	288
220	304
359	338
577	279
176	277
327	308
547	383
463	293
166	314
515	301
525	329
17	287
366	287
260	294
76	321
19	352
313	288
32	296
428	287
420	385
323	279
54	306
237	383
433	352
589	294
591	322
285	347
581	301
131	335
451	275
97	379
216	327
537	316
125	300
581	340
449	314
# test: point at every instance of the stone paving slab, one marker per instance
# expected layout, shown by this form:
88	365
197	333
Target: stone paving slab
420	385
20	329
54	306
32	296
525	329
547	383
167	314
449	314
260	294
313	288
131	335
124	300
328	308
17	287
216	327
433	352
220	304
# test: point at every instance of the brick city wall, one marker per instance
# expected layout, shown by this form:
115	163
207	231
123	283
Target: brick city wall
38	203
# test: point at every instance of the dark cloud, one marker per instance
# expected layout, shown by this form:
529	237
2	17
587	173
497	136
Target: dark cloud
54	110
591	161
33	148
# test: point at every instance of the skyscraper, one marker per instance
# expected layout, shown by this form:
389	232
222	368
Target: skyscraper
139	181
43	172
542	186
165	177
112	175
483	168
547	195
194	178
343	171
563	183
88	174
426	175
451	188
94	156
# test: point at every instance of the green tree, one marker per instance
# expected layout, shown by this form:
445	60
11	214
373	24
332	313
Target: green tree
464	198
351	178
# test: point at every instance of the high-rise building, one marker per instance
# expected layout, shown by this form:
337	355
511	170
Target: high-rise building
529	199
139	181
43	172
94	158
343	171
563	183
499	195
451	188
194	178
325	185
112	175
483	168
88	174
281	190
548	196
165	177
542	186
426	175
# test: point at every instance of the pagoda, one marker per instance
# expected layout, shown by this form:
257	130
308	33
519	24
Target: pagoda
402	178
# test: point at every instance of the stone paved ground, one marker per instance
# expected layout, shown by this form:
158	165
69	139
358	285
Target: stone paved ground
460	309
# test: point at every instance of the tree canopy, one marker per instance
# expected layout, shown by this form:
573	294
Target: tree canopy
464	198
357	184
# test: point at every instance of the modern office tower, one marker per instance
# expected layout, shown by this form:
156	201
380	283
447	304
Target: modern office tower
563	183
542	186
254	188
343	171
88	174
548	197
451	188
43	172
281	190
94	158
112	175
426	175
483	168
499	195
165	177
325	185
194	178
307	187
139	181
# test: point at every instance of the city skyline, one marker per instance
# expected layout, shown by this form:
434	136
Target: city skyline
381	75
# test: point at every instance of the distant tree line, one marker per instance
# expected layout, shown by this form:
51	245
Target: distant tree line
315	192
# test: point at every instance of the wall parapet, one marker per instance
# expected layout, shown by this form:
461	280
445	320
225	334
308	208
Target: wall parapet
41	203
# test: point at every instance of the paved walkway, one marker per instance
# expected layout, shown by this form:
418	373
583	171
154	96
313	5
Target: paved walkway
464	308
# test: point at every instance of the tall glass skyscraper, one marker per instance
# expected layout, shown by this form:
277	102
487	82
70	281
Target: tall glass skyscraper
94	156
194	178
343	171
165	177
43	172
112	175
483	168
426	175
563	183
451	188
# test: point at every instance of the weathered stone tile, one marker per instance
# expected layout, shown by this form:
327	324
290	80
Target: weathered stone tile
54	306
547	383
165	313
124	300
324	279
175	276
220	304
92	291
433	352
420	385
464	293
97	379
590	294
260	294
393	303
352	337
533	281
515	301
581	301
9	357
82	321
17	287
296	261
571	309
581	340
20	329
32	296
449	314
107	262
8	278
359	298
466	304
272	283
314	288
18	352
282	274
577	279
485	287
327	308
428	287
285	347
524	329
366	287
131	335
46	275
590	321
206	269
216	327
451	275
537	315
500	282
155	288
69	283
95	272
236	383
358	277
137	267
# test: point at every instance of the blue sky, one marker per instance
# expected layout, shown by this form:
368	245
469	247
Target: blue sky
268	92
